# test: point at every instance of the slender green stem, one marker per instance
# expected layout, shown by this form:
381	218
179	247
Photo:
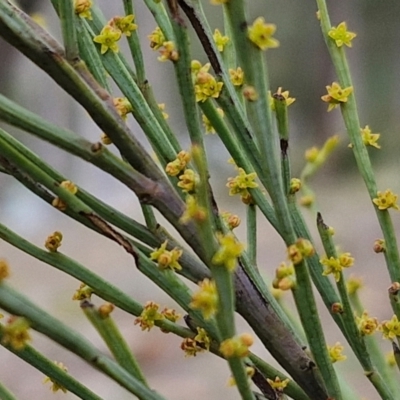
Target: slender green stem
251	219
67	19
5	394
43	322
111	335
30	355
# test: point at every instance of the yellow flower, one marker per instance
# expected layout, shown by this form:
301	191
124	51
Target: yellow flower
341	35
55	387
108	39
237	346
175	167
249	372
200	343
207	123
149	315
168	52
57	202
335	265
220	40
241	183
16	333
156	38
278	385
170	314
283	96
83	293
205	299
284	277
106	309
4	269
231	220
188	180
192	211
236	76
124	24
295	185
336	95
369	138
261	33
82	8
206	86
53	242
386	200
105	139
367	325
167	258
123	106
335	352
390	329
161	107
230	249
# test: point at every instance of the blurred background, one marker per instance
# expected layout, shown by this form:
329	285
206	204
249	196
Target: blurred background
301	64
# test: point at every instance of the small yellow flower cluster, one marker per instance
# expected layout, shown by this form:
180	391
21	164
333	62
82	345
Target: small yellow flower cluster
369	138
230	249
335	265
295	185
301	249
249	372
241	183
207	123
335	352
53	242
353	284
55	387
284	277
278	385
236	76
283	96
260	33
220	40
4	269
168	52
175	167
83	293
231	220
390	329
156	38
113	31
386	200
205	85
106	309
82	8
205	299
200	343
167	258
336	95
60	204
237	346
16	333
123	106
341	35
188	181
367	325
149	315
193	211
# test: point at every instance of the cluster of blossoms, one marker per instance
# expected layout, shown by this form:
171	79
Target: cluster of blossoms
16	333
237	346
220	40
53	241
205	85
84	292
60	204
390	329
150	315
206	298
200	343
82	8
336	95
260	34
167	258
230	249
335	265
282	96
278	384
113	31
367	325
175	167
241	183
285	278
55	386
166	47
298	251
335	352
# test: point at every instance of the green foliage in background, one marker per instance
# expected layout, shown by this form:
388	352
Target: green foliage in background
231	97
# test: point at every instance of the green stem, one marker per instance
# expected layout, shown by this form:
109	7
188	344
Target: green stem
50	369
5	394
251	219
67	19
116	343
17	304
